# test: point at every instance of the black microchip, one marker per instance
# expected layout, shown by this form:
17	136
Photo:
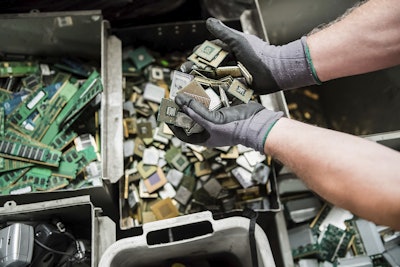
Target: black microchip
36	180
55	157
74	155
28	152
14	120
58	141
19	117
2	146
9	147
21	151
39	154
34	151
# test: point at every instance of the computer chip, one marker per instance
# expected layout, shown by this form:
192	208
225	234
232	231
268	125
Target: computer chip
168	111
141	58
155	181
156	73
248	193
139	147
143	193
159	136
254	157
164	209
224	71
213	187
130	124
183	120
196	91
260	173
179	81
133	197
183	195
202	168
195	59
242	161
180	162
153	93
208	54
208	50
217	60
151	156
243	177
144	130
167	191
148	216
146	170
215	102
240	91
174	177
129	146
129	108
232	153
246	74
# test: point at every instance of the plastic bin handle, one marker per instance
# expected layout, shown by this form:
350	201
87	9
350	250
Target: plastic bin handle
177	221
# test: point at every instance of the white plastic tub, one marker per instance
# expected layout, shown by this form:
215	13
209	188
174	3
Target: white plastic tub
197	236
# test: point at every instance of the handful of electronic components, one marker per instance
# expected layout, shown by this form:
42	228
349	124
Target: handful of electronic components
222	84
165	177
39	148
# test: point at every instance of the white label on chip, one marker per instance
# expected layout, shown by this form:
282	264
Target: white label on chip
35	100
28	126
21	191
45	69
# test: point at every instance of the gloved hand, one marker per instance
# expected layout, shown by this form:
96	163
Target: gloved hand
273	68
246	124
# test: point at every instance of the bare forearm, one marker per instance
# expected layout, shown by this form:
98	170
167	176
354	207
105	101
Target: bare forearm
366	40
348	171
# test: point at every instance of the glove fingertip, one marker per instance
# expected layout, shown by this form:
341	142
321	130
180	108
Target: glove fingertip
210	22
215	26
186	67
182	100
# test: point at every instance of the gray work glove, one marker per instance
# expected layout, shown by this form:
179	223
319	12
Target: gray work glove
273	68
246	124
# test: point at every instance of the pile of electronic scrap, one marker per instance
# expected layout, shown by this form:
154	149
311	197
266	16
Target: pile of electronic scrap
324	235
48	132
165	177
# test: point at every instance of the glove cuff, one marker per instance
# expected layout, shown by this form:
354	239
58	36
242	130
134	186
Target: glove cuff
309	60
295	68
259	128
